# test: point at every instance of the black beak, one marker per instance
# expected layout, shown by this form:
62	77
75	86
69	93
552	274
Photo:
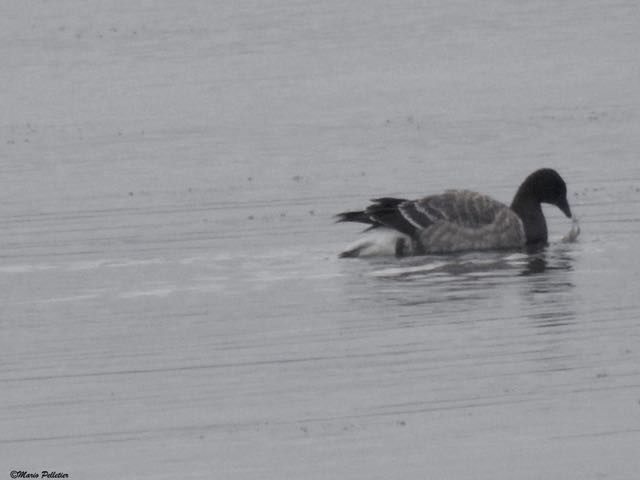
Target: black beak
564	206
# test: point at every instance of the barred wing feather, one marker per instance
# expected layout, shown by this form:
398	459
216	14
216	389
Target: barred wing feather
462	220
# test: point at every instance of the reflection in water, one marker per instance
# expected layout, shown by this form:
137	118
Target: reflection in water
472	265
537	264
540	260
548	292
471	286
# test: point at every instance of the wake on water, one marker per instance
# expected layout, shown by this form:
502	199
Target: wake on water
477	264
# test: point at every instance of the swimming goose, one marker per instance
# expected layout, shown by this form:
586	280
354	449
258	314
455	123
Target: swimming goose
459	220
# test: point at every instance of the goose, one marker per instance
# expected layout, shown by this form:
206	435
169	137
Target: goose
458	220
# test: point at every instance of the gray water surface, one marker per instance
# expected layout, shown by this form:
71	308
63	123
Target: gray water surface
171	300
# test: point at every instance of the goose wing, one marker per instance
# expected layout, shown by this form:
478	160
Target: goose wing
453	221
463	208
457	207
463	220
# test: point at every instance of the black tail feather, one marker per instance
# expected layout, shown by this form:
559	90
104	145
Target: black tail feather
360	217
383	212
388	201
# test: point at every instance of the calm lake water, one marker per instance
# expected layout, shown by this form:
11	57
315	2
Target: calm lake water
171	299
